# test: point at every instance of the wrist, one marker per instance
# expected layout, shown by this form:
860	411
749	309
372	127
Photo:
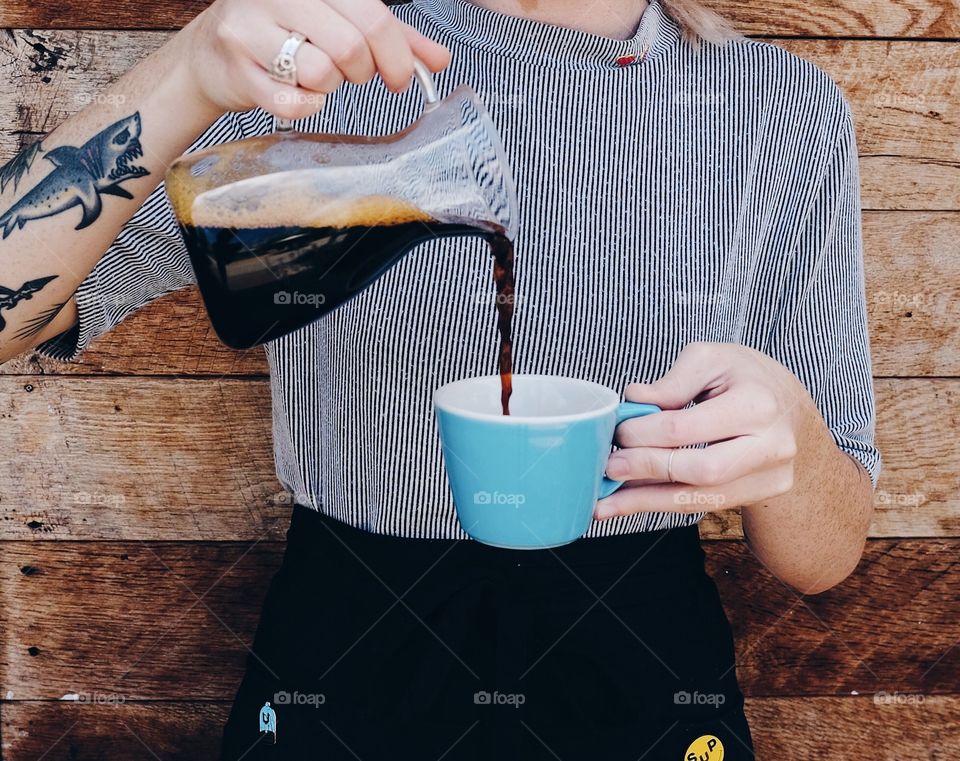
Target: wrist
184	86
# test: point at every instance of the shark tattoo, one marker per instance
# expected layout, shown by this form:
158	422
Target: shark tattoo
81	175
10	298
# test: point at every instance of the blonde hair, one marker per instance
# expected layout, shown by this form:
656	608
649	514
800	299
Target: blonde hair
700	23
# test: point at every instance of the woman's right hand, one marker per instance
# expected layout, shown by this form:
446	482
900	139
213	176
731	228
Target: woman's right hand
232	43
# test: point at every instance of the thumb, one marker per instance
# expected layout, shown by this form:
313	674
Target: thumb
434	55
698	368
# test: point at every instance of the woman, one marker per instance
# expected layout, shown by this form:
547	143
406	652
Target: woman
690	232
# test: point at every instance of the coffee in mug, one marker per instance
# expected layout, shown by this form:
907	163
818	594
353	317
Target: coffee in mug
529	480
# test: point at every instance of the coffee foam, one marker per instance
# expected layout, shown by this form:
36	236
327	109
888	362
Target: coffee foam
293	199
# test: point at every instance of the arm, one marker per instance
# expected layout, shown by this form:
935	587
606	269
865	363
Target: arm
55	186
64	200
790	429
806	503
813	535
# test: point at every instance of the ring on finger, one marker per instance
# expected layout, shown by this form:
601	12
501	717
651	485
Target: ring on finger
283	68
670	477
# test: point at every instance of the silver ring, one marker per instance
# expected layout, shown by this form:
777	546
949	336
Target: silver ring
670	466
284	66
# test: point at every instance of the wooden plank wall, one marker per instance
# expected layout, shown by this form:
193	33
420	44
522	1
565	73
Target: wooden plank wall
128	578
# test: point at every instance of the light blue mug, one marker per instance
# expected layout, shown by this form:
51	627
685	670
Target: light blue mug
529	480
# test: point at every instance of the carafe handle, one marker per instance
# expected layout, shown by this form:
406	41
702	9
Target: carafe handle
420	73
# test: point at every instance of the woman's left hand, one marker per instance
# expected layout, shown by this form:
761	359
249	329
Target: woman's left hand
750	410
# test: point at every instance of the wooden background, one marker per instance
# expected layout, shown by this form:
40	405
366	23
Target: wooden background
133	583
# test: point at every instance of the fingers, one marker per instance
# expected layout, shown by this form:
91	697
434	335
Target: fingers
641	464
745	410
336	36
713	466
315	69
361	38
698	367
346	40
434	55
677	498
282	100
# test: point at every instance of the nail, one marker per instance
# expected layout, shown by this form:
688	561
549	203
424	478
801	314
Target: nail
617	466
603	511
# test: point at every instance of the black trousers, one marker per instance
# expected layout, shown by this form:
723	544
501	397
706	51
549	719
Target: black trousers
374	647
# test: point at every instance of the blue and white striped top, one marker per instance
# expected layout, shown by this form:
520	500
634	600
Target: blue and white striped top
691	195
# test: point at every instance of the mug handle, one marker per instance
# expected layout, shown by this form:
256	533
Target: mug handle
625	411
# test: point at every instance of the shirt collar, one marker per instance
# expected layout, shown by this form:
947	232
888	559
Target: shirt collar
548	44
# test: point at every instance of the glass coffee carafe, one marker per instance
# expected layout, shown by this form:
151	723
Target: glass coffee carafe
281	229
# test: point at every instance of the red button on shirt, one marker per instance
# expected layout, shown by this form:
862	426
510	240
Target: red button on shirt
626	60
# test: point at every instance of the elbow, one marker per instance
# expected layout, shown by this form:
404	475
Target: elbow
835	571
845	558
824	582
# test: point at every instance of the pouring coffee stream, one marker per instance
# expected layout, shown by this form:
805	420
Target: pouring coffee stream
284	228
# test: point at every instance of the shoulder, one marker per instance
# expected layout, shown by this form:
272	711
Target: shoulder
784	82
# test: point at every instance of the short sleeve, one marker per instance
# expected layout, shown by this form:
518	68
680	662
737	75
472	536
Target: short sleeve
822	335
147	260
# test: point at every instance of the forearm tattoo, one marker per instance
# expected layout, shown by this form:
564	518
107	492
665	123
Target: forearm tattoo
18	166
80	176
10	298
38	322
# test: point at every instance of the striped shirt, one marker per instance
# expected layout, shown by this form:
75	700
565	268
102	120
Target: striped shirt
666	195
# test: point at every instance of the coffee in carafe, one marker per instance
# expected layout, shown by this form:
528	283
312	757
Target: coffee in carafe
281	229
324	255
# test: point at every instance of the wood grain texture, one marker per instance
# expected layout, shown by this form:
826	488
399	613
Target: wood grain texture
123	619
64	731
77	14
905	97
918	728
136	458
847	18
844	18
49	75
891	626
912	263
135	620
914	322
141	458
928	727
